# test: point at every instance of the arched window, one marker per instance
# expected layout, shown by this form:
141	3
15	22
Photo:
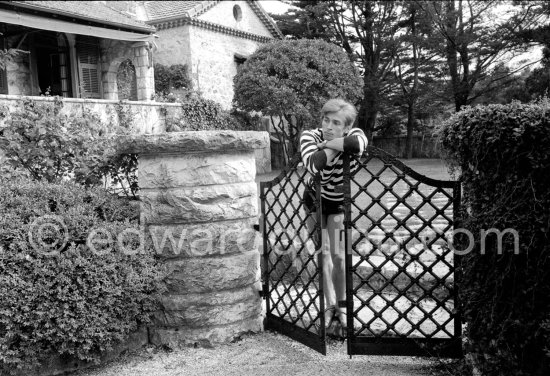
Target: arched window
126	81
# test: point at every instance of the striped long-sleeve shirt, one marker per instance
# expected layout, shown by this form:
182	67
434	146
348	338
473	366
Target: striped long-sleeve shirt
315	160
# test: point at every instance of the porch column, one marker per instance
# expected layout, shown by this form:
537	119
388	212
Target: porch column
143	62
198	205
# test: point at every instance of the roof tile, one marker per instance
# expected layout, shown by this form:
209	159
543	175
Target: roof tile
157	10
95	10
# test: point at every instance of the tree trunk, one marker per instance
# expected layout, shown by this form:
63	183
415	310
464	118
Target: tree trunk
410	130
368	110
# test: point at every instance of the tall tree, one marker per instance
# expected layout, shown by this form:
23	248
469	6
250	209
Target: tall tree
367	31
304	20
475	36
537	30
538	82
416	65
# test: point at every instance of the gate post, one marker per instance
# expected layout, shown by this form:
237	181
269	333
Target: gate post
348	255
199	202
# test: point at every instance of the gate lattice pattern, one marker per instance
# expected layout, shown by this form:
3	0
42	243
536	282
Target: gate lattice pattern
292	265
399	265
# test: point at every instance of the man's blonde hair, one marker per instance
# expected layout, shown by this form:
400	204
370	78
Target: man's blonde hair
337	104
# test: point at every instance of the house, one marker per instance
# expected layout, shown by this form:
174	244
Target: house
76	49
95	53
211	37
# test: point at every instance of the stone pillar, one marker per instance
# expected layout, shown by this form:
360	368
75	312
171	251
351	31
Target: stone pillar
143	62
199	201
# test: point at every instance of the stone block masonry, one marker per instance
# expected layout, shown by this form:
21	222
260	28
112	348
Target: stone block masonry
199	202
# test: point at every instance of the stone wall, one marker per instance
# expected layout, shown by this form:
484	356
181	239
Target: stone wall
146	117
198	189
210	56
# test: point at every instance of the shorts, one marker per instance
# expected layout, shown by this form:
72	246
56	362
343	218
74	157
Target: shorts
327	206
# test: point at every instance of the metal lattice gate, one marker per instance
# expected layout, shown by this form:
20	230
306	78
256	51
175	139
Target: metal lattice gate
292	265
400	267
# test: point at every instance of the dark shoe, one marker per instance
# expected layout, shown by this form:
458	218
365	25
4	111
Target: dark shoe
330	317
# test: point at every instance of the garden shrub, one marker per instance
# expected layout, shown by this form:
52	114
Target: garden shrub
292	80
59	295
201	114
503	155
173	77
43	143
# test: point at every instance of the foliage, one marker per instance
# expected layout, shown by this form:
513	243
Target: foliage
367	32
125	79
390	125
502	154
416	69
304	19
173	77
464	40
201	114
538	30
46	144
474	37
60	296
292	80
512	86
538	82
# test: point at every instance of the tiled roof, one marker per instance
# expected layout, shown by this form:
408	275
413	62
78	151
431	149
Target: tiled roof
95	11
159	11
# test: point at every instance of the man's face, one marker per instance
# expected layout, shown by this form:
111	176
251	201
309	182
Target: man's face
333	124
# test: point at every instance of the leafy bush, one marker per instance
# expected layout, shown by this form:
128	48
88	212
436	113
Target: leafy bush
45	144
292	79
173	77
503	157
199	114
60	295
126	81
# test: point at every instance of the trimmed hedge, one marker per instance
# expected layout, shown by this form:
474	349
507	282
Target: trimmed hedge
62	297
503	155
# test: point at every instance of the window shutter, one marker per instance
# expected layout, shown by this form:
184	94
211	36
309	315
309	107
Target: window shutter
89	67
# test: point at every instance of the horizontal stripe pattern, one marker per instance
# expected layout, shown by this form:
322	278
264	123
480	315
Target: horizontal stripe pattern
332	175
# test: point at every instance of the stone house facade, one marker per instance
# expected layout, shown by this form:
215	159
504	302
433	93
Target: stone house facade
78	49
75	49
213	38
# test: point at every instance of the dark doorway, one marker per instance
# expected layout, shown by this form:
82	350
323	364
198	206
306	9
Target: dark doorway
52	62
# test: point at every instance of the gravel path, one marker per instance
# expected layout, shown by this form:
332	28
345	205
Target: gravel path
261	354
